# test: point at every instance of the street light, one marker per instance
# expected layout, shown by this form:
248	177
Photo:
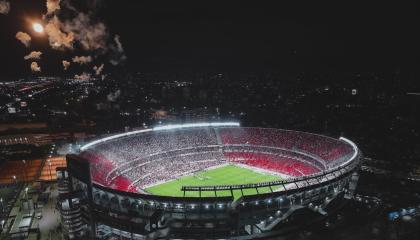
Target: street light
2	207
49	166
26	192
24	170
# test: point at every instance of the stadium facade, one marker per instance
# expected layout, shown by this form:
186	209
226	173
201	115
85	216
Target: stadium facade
103	189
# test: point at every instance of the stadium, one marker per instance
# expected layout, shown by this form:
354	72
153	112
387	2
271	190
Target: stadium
211	180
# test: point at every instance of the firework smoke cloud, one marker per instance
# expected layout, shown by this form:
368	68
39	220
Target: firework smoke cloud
35	67
53	6
117	53
66	64
82	60
58	39
4	7
98	69
33	55
82	31
24	38
118	42
90	35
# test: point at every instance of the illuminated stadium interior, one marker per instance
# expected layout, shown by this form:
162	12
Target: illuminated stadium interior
168	160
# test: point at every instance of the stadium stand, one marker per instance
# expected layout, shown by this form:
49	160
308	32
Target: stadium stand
131	163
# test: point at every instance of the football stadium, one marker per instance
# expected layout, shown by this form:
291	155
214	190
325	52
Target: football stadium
218	180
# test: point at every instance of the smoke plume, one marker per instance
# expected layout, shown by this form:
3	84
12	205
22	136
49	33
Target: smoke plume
118	54
118	42
52	6
90	35
66	64
35	67
33	55
24	38
82	59
98	70
4	7
58	39
82	31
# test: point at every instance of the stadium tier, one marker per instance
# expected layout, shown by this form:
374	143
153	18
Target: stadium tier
140	160
199	177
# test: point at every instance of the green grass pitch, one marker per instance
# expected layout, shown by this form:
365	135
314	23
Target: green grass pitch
226	175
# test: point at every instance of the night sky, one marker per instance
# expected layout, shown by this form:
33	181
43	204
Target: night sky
221	36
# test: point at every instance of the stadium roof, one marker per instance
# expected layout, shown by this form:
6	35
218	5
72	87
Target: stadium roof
161	128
